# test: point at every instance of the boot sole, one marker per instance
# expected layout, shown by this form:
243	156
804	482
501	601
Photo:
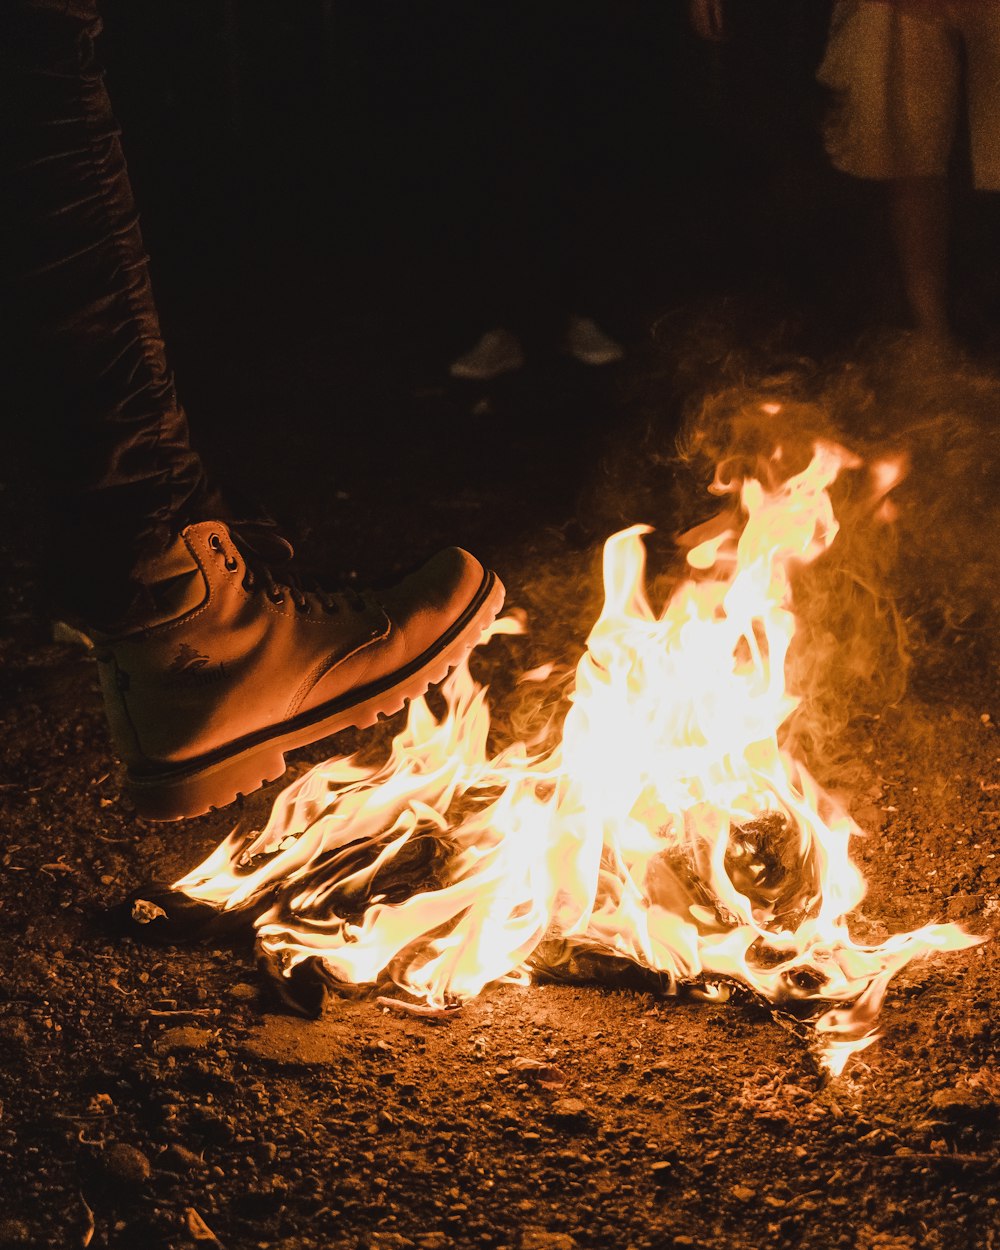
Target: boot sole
217	779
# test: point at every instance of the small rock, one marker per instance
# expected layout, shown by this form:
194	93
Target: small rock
197	1228
179	1159
243	992
662	1171
573	1158
962	905
964	1104
14	1233
184	1037
101	1104
538	1070
125	1163
542	1239
570	1112
743	1193
15	1034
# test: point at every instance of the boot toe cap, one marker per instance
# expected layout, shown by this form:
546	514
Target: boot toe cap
439	594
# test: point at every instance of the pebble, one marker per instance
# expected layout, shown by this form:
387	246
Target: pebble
122	1162
962	1104
570	1112
14	1233
15	1033
183	1037
177	1158
543	1239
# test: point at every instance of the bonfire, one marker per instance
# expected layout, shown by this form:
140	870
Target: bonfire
663	818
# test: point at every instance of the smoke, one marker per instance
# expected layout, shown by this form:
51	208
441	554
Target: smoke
905	575
913	568
949	505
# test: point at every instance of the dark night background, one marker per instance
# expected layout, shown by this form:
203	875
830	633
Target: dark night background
326	188
339	198
347	161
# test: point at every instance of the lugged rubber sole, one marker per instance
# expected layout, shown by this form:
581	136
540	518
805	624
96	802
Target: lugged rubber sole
210	782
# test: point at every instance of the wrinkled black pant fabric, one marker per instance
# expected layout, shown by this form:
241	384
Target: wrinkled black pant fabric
104	429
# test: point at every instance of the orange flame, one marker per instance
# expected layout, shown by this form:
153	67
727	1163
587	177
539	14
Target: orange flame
667	826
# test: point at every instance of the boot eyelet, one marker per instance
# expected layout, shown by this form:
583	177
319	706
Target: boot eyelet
232	564
215	542
277	599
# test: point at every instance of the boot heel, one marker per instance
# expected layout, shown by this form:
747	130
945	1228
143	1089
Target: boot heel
179	795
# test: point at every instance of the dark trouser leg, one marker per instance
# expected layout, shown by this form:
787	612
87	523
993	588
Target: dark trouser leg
919	210
106	429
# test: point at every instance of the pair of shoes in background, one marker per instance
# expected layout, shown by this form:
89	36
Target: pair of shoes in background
500	351
586	342
496	353
230	661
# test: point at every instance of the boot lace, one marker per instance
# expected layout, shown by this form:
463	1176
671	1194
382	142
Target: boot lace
267	557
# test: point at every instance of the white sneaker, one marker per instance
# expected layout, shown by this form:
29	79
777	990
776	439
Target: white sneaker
498	351
588	343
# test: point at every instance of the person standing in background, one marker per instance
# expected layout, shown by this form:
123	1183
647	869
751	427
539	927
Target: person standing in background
543	119
904	76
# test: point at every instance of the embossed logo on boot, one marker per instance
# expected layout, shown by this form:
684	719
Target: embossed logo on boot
187	660
190	668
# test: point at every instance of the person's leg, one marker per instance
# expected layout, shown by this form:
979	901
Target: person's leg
981	39
214	659
894	80
586	156
505	184
111	439
919	219
926	68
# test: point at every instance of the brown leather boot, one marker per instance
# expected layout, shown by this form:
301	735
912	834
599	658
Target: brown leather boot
228	668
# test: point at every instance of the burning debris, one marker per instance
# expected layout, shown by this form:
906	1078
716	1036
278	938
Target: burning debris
667	824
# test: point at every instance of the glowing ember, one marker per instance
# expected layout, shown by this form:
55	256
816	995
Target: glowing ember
667	826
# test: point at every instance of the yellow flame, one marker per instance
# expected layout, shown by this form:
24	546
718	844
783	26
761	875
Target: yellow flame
667	826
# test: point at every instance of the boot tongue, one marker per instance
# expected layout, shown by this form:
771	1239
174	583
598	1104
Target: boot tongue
261	539
171	584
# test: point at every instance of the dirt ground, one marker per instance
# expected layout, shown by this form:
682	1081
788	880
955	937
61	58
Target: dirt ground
162	1096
